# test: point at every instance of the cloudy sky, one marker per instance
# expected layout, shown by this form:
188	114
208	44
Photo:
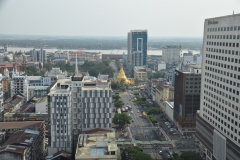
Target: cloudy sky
110	17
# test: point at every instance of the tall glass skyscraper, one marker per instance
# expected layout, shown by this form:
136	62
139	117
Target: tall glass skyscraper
137	49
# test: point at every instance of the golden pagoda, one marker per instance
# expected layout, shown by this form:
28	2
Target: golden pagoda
122	77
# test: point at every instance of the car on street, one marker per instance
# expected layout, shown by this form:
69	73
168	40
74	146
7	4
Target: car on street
160	152
170	126
129	114
132	120
140	115
167	123
175	133
138	111
132	112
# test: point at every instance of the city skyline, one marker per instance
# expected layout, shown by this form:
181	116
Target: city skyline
108	18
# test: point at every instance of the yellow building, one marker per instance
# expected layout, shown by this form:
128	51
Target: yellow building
140	73
164	93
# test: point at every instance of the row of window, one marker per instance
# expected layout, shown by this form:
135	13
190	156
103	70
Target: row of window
223	36
232	75
233	68
234	138
224	59
223	44
219	29
222	51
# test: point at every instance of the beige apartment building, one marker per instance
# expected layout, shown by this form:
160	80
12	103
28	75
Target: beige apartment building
164	93
140	73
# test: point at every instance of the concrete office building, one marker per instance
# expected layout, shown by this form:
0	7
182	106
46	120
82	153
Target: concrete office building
187	58
187	98
19	85
38	55
137	49
78	104
171	53
140	73
218	120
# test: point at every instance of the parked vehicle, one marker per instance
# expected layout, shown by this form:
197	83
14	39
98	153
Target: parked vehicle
144	115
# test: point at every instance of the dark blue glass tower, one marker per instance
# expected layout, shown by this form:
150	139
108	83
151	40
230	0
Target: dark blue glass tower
139	43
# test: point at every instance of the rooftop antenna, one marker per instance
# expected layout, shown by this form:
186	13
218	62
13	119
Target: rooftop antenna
233	12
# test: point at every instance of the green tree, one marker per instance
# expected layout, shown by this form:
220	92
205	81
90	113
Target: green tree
157	75
114	85
119	104
116	96
141	156
6	59
121	119
153	119
189	155
134	153
153	111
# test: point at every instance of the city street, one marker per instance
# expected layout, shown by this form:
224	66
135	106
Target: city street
138	120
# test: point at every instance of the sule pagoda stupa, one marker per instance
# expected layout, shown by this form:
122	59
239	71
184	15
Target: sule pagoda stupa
122	77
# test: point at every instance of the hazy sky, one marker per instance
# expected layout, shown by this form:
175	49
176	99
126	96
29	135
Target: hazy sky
110	17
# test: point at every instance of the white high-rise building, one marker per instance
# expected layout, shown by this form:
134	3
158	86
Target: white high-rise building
171	53
218	121
78	104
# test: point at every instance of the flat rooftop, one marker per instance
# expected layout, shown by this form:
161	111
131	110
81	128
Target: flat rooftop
23	124
96	146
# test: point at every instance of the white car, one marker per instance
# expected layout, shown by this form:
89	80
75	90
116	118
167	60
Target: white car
129	114
132	112
138	111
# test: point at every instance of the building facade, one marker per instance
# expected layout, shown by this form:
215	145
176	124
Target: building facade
218	124
171	53
137	49
164	93
19	85
76	105
38	55
140	73
187	99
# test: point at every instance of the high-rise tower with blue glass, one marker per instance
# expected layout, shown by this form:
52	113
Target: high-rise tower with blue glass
137	49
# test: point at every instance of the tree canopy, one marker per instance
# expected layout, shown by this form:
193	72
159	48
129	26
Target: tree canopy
189	155
116	96
134	153
6	59
119	104
121	119
158	74
153	111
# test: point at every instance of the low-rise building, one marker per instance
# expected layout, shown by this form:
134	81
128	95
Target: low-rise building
11	127
160	66
38	91
96	146
164	93
10	117
30	142
140	73
54	74
169	109
59	54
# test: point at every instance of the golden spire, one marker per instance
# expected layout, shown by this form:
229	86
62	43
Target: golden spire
122	76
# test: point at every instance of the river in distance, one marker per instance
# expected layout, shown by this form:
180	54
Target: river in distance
116	51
